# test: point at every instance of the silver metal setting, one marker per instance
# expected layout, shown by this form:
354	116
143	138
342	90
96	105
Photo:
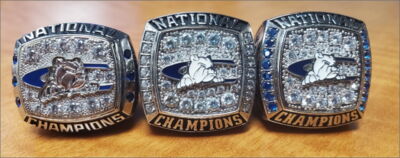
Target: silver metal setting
315	69
197	72
74	77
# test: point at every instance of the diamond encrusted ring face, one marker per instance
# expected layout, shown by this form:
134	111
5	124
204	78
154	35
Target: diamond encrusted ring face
74	77
315	69
197	72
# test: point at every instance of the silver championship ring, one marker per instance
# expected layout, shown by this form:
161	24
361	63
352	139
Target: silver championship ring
74	77
314	69
197	72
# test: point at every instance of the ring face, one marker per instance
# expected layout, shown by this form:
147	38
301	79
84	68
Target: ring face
315	69
74	77
197	72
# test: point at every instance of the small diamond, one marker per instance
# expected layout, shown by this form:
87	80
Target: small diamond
200	37
186	104
212	103
165	85
310	36
223	72
186	39
200	106
149	36
323	36
335	38
229	43
144	72
149	108
228	99
295	40
354	86
214	39
220	89
169	43
211	92
334	101
349	97
147	97
191	93
322	103
47	110
308	101
166	59
251	73
145	59
145	84
31	56
294	98
170	100
146	48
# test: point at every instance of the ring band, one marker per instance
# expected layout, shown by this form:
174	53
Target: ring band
197	72
315	69
74	77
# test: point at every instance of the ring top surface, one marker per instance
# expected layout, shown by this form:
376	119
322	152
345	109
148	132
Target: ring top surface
202	65
73	72
314	64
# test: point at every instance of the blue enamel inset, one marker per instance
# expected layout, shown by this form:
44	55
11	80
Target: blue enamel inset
33	78
105	66
106	87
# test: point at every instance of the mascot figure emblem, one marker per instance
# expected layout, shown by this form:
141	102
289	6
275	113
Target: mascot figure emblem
200	70
323	68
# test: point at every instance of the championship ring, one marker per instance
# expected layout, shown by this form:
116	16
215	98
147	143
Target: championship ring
197	72
314	69
74	77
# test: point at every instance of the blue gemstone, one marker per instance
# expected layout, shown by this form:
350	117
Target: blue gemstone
273	107
15	59
267	52
266	64
269	96
367	57
368	63
366	45
366	85
267	76
130	76
127	53
364	98
364	35
272	31
130	96
14	81
367	76
267	86
269	42
18	102
362	108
